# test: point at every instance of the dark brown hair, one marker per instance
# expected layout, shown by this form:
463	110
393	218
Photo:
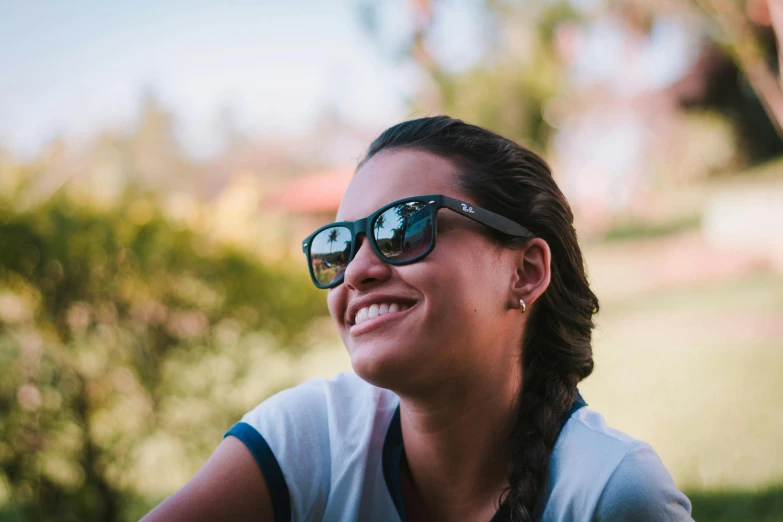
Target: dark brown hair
508	179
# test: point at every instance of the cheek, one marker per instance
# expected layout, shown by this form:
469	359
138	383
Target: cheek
335	301
475	289
469	266
462	290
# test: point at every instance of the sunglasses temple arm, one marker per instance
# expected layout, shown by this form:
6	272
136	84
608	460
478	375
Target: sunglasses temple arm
486	217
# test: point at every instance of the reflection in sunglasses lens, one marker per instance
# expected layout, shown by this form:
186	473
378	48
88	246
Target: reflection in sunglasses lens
329	252
404	231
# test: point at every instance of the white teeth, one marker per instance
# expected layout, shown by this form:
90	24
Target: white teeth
361	316
373	311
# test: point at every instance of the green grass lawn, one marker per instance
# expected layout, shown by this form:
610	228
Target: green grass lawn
696	373
738	506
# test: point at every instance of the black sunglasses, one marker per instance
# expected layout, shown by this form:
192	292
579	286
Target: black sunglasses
400	233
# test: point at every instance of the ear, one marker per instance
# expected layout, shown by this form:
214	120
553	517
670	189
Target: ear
533	272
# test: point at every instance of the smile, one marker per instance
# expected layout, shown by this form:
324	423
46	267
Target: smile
374	310
375	315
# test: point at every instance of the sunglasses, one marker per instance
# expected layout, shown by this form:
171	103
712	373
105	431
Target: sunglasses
400	233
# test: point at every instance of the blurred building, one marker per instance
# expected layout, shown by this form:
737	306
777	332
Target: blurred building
304	203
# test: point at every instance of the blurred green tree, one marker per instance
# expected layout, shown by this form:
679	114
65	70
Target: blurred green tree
512	69
126	343
505	85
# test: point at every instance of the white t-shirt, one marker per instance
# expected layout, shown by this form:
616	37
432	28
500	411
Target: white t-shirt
330	450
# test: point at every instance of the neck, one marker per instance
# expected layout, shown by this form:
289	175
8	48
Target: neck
456	444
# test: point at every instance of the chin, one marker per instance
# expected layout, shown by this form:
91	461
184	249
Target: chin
389	367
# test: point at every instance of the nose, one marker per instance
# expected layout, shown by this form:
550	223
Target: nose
366	268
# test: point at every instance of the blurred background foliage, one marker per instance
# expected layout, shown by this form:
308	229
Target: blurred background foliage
124	336
150	293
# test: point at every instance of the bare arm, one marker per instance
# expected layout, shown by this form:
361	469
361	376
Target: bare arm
229	486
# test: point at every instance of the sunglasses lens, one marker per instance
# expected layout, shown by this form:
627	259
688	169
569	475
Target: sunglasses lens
404	231
329	252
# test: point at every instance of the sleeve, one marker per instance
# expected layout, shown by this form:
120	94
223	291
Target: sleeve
641	490
288	436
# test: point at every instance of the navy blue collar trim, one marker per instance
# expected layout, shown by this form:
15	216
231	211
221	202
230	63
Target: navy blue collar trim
270	468
394	453
579	402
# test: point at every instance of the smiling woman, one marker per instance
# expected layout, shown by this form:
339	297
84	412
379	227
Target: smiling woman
459	290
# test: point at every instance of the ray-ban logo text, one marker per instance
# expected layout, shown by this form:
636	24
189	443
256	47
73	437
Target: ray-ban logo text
467	209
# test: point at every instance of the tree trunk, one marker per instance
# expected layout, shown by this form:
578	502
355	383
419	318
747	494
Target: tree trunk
748	55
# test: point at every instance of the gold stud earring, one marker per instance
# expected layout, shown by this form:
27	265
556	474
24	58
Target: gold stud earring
522	306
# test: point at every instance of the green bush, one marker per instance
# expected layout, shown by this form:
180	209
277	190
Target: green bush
125	345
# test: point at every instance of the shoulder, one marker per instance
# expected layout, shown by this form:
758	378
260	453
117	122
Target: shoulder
302	436
601	470
587	445
641	489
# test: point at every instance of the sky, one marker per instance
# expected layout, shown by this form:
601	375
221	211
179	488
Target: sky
71	67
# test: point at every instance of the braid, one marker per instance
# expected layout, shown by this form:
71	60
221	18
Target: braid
557	354
545	398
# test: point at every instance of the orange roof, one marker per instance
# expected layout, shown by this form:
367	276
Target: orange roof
314	193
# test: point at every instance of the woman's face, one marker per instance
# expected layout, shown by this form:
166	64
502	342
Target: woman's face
458	322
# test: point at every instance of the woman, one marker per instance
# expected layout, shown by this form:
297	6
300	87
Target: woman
464	406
